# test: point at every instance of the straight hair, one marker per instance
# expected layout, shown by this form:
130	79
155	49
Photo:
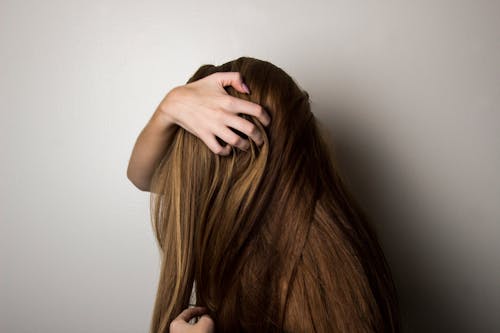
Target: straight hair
271	238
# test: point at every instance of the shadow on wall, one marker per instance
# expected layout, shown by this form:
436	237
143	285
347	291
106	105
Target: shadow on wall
384	188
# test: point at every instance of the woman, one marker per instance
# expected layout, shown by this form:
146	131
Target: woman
266	233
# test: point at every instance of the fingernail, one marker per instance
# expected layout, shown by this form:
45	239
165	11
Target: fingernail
245	88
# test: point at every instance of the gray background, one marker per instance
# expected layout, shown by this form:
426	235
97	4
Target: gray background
409	92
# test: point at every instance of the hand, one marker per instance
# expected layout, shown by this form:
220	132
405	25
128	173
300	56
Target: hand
206	110
181	323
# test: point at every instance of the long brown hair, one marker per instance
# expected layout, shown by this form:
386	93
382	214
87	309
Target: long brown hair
271	238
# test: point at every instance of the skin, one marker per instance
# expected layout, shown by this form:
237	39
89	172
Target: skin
204	109
181	323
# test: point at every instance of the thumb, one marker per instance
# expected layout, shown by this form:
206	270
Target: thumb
233	79
206	323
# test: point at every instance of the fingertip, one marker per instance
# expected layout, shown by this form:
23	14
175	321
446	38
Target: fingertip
268	118
206	321
227	150
245	88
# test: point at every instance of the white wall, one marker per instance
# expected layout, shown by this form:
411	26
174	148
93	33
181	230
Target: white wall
409	91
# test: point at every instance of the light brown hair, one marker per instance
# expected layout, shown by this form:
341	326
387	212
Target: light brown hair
271	237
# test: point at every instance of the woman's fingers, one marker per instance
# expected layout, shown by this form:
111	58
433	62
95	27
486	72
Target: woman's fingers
191	312
232	138
238	105
214	145
205	323
204	109
246	127
181	323
233	79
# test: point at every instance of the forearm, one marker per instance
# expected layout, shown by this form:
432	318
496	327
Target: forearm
149	148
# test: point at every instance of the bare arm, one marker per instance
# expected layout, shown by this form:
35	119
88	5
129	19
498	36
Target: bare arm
149	148
204	109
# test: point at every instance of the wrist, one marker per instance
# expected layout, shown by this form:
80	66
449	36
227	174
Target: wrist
163	118
166	109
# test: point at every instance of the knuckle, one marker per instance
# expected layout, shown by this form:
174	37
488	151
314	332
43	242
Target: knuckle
252	130
219	113
260	111
217	149
227	102
234	140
